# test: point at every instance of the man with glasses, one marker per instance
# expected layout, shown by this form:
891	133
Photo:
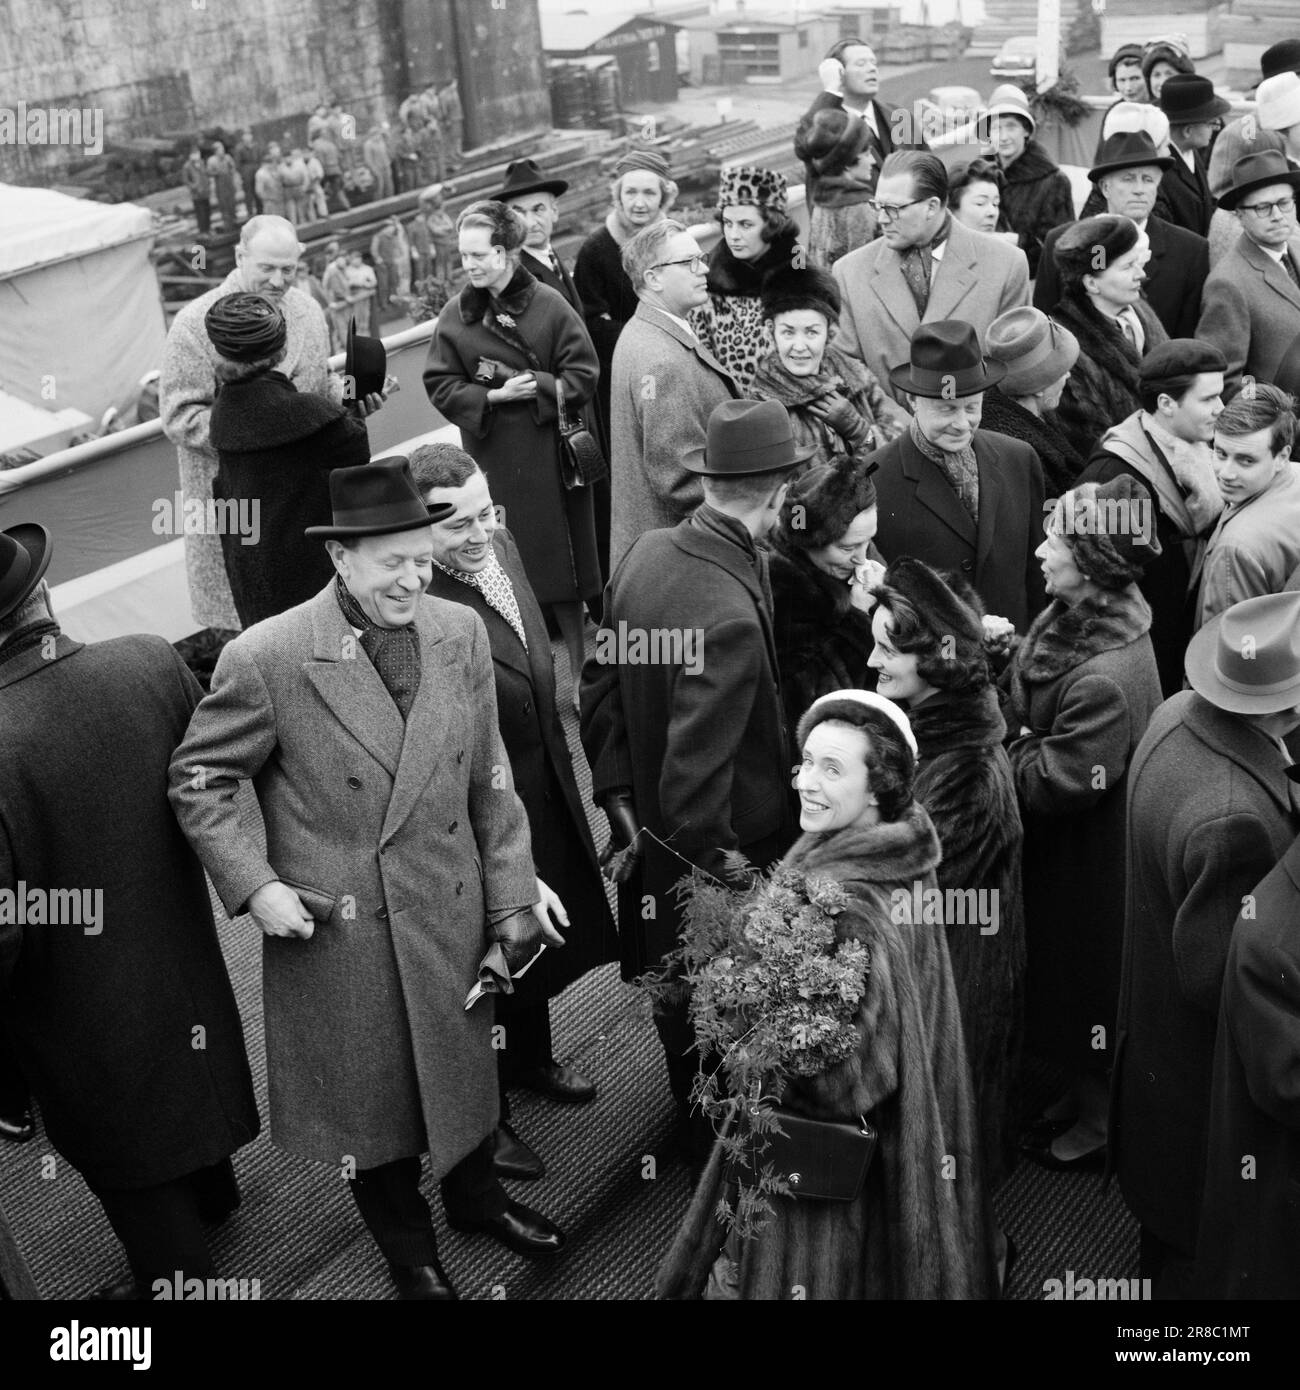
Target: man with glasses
924	266
1195	117
1251	306
664	385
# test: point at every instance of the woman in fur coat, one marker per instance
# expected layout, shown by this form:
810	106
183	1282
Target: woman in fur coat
930	657
917	1228
758	235
276	447
822	560
1082	687
1115	326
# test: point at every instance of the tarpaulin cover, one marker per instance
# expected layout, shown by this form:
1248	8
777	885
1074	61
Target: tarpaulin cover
81	319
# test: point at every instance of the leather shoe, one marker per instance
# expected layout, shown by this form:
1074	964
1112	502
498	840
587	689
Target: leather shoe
521	1229
125	1290
423	1283
556	1081
513	1159
18	1128
1041	1153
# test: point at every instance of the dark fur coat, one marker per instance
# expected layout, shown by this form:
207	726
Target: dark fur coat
1062	462
1103	385
1036	197
912	1232
964	781
1085	683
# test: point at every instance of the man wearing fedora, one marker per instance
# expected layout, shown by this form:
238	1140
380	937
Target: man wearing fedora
1255	545
687	743
117	1003
396	852
1251	306
664	383
1210	812
1195	116
923	267
536	199
1128	175
1166	444
952	495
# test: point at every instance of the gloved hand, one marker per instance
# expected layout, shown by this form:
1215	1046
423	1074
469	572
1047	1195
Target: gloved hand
620	857
519	936
839	413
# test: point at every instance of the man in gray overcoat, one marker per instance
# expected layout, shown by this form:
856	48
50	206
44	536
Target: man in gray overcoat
396	852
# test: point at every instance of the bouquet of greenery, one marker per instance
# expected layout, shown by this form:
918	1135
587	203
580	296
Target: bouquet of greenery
773	995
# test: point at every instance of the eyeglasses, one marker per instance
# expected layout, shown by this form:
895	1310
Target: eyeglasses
1285	206
696	263
892	210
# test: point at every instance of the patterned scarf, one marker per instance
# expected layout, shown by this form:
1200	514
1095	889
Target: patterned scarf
395	651
961	470
495	586
918	265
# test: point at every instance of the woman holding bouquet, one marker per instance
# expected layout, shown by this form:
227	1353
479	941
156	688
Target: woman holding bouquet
916	1227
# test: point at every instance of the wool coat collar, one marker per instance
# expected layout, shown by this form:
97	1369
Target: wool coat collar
1274	276
1064	636
514	299
34	659
936	493
1241	743
656	318
956	274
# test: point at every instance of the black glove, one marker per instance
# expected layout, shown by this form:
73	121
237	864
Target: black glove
519	936
620	857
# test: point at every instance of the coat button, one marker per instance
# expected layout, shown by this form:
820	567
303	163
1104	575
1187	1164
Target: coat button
354	782
451	829
968	565
460	757
382	914
460	887
528	707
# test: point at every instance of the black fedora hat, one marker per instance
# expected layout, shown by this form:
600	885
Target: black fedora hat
1259	170
1128	149
366	363
25	554
1188	98
373	499
946	363
527	176
747	438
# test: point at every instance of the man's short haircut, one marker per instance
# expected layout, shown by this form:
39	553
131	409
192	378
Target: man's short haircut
840	47
747	491
441	465
646	249
264	222
929	177
1258	408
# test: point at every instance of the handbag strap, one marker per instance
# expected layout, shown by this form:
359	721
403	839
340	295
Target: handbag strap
559	405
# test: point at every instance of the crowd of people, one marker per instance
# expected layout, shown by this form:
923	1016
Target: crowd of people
974	511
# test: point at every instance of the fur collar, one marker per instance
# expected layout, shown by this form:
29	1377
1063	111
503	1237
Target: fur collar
728	276
838	372
1062	462
514	299
1101	339
890	851
842	190
1063	637
267	412
805	595
1034	164
952	719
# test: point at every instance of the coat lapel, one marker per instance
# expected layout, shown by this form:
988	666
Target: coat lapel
891	290
346	679
1249	748
935	492
650	314
35	659
1274	276
958	272
990	500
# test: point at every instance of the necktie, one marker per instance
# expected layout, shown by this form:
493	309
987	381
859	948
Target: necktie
555	264
1288	264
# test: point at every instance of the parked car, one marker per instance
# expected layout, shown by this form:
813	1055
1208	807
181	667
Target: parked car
1017	59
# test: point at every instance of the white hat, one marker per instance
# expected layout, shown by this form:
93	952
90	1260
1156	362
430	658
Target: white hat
1007	100
1278	101
1127	116
874	701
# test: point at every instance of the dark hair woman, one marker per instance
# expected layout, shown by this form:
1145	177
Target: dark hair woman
276	447
503	347
758	235
823	562
835	404
975	193
1082	687
929	656
841	150
1100	262
1036	195
911	1232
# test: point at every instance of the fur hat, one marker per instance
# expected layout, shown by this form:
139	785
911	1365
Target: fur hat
786	289
1110	529
835	139
820	505
951	615
745	185
1076	249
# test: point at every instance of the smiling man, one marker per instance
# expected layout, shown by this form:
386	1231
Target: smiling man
1255	548
396	852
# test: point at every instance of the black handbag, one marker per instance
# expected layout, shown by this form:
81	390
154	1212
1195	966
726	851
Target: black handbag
821	1160
581	461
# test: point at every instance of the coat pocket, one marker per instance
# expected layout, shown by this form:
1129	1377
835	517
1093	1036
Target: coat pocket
318	902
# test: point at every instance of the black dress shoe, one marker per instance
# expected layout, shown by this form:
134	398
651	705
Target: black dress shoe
513	1159
423	1283
125	1290
1092	1161
18	1128
523	1230
558	1082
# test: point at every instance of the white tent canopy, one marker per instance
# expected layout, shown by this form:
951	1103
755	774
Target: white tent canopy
81	319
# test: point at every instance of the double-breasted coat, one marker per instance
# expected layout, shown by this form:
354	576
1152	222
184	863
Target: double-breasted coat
399	839
922	516
104	1019
563	850
1208	816
529	327
1085	684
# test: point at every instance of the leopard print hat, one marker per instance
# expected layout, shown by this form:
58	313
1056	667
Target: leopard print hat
748	186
